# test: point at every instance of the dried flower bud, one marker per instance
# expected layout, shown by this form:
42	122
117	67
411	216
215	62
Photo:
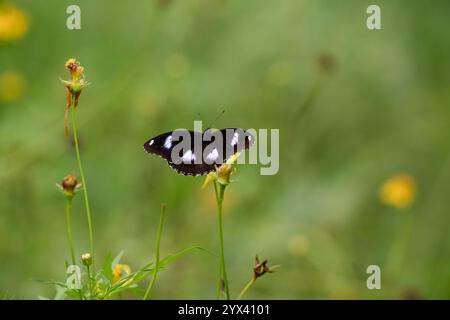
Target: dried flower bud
69	182
86	258
69	185
260	268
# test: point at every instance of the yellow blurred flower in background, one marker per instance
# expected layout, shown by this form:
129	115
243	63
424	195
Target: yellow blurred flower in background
13	23
12	86
120	270
398	191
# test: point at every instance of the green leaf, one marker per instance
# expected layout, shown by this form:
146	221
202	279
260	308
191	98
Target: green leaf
132	280
60	293
107	267
117	259
74	294
52	282
172	257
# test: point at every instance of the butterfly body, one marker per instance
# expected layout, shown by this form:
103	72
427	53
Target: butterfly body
194	153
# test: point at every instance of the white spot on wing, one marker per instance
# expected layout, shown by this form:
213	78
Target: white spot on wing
213	155
151	142
168	142
235	139
188	156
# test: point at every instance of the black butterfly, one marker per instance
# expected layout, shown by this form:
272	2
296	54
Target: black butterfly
194	153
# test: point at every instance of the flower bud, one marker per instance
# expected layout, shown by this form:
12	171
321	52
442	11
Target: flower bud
86	258
77	82
69	182
260	268
69	185
224	173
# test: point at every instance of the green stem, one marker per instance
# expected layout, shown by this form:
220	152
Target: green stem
220	190
158	242
247	286
90	282
83	180
69	230
399	248
219	280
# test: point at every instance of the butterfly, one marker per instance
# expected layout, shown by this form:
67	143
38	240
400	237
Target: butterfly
193	153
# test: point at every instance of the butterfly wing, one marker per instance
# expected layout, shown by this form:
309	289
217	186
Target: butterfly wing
192	169
163	145
234	140
160	145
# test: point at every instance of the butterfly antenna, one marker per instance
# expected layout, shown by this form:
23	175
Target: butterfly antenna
217	118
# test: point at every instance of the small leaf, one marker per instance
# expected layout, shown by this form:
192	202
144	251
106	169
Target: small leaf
51	282
172	257
60	295
117	259
107	267
74	294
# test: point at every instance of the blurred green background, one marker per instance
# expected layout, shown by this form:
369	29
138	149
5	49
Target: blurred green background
354	107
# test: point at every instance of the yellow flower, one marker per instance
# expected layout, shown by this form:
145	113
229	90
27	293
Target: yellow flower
222	173
12	86
13	23
77	82
120	270
398	191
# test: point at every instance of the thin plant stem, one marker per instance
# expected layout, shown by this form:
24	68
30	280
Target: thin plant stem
247	286
220	190
69	230
83	180
158	242
399	248
219	280
90	282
